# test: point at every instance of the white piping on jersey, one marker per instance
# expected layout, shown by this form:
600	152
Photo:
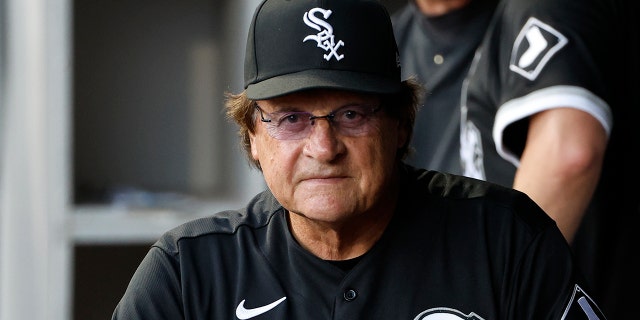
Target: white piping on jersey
546	99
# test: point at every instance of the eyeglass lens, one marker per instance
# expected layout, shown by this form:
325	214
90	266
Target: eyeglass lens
352	120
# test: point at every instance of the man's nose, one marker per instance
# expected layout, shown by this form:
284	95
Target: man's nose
323	143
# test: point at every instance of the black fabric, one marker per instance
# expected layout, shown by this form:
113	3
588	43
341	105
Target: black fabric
304	44
454	37
601	56
455	246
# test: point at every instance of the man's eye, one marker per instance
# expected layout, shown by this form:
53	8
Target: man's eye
290	118
350	115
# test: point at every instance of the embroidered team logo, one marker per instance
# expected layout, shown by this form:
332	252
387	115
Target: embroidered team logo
536	43
324	37
446	314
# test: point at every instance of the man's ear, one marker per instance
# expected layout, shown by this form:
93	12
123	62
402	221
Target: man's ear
254	147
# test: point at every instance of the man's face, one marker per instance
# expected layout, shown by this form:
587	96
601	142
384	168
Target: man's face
333	171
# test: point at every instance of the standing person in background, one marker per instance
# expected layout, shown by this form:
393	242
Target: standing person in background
548	109
437	40
346	229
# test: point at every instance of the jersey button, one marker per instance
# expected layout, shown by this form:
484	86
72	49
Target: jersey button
350	295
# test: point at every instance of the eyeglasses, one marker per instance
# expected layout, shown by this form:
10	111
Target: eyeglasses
352	120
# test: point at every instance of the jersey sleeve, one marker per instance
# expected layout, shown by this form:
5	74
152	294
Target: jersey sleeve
551	54
154	291
550	285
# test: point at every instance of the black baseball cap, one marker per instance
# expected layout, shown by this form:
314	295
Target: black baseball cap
296	45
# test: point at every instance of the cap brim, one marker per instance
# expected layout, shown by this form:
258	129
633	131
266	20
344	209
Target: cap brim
321	79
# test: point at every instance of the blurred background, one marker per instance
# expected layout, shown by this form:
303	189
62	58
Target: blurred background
112	131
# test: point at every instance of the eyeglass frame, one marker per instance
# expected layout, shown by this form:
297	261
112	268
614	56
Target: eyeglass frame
305	132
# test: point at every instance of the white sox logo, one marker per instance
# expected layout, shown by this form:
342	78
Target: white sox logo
325	37
446	314
536	43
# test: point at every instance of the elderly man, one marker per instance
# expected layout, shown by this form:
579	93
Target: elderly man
346	230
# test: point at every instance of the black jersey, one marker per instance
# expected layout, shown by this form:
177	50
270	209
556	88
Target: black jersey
438	52
456	248
537	55
545	54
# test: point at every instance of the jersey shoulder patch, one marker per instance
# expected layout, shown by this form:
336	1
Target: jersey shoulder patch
534	46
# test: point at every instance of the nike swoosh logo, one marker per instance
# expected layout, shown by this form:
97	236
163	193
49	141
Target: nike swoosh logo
242	313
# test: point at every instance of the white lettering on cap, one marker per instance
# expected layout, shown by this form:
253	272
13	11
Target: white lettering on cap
325	37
